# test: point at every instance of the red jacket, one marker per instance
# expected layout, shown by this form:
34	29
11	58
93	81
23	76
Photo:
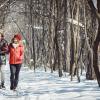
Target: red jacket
16	54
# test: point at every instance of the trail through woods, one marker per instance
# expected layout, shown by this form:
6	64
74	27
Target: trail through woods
48	86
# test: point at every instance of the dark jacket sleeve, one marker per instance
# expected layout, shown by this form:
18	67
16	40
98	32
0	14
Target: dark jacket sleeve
4	49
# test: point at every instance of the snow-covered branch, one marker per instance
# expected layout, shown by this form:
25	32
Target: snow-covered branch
95	3
3	4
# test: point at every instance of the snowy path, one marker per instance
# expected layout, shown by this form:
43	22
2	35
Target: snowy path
46	86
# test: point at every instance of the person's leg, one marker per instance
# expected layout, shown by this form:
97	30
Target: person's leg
0	78
18	67
12	75
2	75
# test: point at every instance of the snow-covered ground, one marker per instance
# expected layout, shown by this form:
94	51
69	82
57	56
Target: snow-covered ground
48	86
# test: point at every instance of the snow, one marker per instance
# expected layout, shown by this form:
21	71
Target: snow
95	3
75	22
42	85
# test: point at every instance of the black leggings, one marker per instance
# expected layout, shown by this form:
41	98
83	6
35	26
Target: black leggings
14	76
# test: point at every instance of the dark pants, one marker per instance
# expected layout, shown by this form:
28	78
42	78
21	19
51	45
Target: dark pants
14	77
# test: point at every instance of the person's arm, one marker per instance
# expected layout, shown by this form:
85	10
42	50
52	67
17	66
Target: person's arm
1	52
5	48
22	52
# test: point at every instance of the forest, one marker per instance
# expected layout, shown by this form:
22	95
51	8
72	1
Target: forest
62	35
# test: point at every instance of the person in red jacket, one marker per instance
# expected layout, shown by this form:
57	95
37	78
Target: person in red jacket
16	51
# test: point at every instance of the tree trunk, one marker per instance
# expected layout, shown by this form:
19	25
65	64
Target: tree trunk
97	40
95	56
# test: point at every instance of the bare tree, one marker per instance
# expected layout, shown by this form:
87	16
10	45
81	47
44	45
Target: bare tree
97	40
